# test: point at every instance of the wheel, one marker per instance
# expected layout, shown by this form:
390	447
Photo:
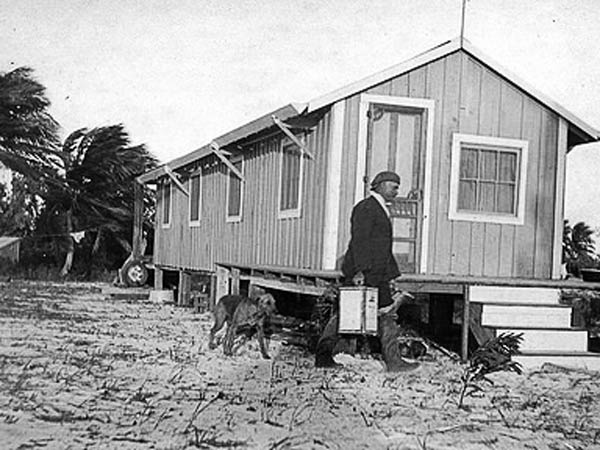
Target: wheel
135	273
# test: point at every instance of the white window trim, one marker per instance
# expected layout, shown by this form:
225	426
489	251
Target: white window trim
458	139
195	223
296	212
162	206
238	218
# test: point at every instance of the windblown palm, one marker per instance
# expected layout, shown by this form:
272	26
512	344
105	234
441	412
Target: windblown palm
578	247
86	184
99	168
28	134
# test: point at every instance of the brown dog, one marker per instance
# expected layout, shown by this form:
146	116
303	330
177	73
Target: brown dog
242	312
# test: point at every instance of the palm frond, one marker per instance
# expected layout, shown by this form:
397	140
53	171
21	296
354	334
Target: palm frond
496	355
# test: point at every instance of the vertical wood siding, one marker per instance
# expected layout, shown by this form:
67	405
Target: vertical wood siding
469	98
260	237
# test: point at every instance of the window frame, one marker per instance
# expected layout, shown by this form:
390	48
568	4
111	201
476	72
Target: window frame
291	213
519	146
195	223
230	176
166	224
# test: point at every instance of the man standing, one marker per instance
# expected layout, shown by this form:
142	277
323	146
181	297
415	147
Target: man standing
369	260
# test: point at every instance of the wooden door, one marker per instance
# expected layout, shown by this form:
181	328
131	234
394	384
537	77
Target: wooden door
395	142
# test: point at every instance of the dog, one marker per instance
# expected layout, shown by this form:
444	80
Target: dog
242	313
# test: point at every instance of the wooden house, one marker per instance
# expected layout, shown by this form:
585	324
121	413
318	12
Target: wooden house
481	155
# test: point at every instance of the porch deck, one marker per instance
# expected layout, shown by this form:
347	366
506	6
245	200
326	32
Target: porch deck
314	282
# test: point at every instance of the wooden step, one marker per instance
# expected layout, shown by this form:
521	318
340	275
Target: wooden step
576	360
525	315
553	339
510	294
126	293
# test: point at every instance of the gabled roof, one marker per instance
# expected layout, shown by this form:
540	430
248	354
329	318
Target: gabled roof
441	51
586	131
248	129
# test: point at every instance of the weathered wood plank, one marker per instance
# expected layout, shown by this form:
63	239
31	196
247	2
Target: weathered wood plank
417	82
468	116
525	240
435	90
511	113
489	125
544	232
399	86
451	103
559	196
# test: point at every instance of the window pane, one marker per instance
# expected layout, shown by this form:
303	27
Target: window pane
486	197
487	170
195	198
290	177
404	253
235	192
166	203
507	167
467	195
506	198
404	228
468	163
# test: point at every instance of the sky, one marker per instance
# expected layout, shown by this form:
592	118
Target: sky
179	73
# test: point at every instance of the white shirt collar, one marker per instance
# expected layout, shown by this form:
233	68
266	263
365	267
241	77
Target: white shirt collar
381	201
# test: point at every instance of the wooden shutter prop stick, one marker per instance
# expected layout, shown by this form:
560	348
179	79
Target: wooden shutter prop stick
286	129
217	151
173	177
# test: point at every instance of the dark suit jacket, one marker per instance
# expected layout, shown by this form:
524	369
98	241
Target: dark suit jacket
370	248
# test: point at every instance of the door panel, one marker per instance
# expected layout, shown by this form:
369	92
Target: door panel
394	142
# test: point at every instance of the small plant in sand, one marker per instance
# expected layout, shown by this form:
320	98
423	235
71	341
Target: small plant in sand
495	355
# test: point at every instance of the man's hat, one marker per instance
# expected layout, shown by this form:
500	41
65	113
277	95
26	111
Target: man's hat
385	176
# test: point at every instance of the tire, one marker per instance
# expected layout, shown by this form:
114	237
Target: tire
135	273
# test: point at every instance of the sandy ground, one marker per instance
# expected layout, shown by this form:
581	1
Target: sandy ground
80	370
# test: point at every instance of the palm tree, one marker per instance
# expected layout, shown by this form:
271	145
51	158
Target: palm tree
28	134
578	247
87	183
99	167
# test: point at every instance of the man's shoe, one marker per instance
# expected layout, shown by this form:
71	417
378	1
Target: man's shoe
325	361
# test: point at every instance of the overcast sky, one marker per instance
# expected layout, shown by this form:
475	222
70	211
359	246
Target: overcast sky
179	73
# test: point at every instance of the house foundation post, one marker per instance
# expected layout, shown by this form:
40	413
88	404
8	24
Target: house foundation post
235	281
183	297
465	324
138	218
222	285
158	278
212	300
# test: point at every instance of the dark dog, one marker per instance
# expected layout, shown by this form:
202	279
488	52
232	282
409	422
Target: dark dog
242	313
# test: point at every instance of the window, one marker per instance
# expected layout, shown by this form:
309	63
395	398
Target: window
235	193
488	179
166	204
195	208
290	187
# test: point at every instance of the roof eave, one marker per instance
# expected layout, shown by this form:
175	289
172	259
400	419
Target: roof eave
248	129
